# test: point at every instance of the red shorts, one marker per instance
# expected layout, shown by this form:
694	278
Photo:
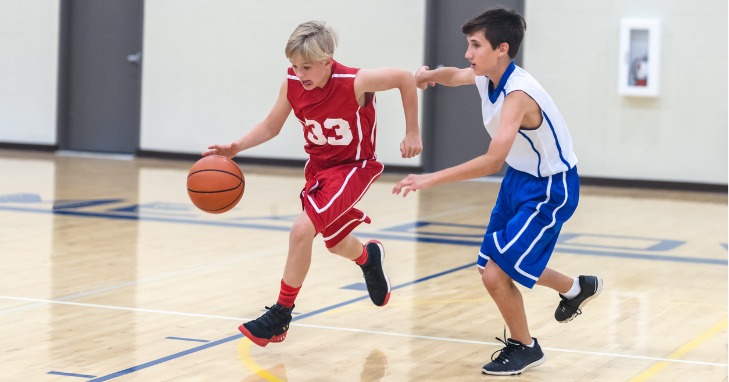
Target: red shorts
330	194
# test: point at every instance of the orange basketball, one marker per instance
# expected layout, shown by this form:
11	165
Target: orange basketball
215	184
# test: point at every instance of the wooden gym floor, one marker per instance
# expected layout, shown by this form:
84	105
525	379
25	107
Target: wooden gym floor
109	273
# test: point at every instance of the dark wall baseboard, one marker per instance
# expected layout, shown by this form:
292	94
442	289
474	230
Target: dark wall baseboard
27	146
653	184
391	169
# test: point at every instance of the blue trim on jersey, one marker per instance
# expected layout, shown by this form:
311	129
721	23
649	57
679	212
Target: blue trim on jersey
554	133
494	96
539	157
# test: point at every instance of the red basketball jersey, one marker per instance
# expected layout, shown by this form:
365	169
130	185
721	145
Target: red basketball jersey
337	129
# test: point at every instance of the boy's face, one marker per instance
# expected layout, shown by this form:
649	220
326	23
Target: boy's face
481	55
312	74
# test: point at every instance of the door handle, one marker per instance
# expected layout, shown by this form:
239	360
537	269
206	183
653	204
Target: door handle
135	58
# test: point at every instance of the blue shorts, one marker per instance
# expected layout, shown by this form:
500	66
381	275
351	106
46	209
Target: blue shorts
526	221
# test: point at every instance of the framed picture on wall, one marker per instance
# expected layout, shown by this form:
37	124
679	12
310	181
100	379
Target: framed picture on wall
639	66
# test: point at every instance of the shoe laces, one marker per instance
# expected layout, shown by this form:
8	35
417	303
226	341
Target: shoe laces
506	351
569	308
274	316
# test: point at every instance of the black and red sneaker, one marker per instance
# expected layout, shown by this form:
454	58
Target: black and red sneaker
378	285
270	327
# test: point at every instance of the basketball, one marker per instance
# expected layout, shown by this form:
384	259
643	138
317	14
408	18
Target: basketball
215	184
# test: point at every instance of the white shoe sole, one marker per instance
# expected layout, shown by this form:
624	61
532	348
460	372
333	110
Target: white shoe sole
516	372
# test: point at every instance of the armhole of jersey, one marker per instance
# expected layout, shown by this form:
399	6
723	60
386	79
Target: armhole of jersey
541	111
368	96
482	84
288	88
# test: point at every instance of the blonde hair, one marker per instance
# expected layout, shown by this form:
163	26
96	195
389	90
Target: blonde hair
313	41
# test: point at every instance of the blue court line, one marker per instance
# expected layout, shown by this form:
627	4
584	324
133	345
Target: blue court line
355	286
146	218
695	260
237	336
70	374
416	281
376	235
165	359
561	248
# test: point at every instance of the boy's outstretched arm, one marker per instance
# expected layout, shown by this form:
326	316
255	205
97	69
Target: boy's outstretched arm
515	106
260	133
448	76
374	80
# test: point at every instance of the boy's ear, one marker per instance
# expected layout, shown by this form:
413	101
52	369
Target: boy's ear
504	48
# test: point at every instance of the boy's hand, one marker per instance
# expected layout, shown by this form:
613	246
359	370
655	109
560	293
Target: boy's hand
411	146
228	151
413	183
421	78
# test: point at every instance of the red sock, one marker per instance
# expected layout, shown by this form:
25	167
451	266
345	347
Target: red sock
287	295
362	259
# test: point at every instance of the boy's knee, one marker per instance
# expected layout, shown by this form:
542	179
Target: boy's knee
302	230
492	278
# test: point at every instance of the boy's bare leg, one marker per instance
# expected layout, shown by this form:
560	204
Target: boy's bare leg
298	260
509	301
350	247
555	280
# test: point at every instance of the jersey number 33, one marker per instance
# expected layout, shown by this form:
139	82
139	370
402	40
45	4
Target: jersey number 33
338	132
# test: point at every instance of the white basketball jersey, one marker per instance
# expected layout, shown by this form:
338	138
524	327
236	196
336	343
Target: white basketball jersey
544	151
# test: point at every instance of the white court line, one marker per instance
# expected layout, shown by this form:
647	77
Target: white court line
405	335
208	266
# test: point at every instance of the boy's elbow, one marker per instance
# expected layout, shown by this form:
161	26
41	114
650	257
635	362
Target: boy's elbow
405	79
496	165
492	163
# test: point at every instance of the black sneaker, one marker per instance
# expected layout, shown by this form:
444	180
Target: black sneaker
378	285
270	327
570	308
514	358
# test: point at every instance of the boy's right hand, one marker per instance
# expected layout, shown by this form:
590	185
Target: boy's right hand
421	78
228	151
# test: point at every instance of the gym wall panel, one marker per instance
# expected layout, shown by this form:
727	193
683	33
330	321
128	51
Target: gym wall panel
572	47
28	71
212	70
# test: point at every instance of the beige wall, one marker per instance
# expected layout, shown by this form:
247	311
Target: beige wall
28	71
571	47
212	72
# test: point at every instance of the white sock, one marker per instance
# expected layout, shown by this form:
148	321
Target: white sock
532	344
575	290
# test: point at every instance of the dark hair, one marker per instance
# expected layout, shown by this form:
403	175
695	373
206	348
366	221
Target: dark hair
499	25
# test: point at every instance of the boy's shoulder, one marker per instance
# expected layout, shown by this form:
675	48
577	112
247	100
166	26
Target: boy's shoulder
338	68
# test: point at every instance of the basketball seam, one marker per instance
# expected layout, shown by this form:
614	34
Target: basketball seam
216	191
224	207
223	171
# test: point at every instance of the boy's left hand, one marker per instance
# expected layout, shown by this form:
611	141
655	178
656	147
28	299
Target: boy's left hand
413	183
411	146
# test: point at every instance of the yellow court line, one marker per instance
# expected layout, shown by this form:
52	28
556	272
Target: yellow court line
244	353
680	352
